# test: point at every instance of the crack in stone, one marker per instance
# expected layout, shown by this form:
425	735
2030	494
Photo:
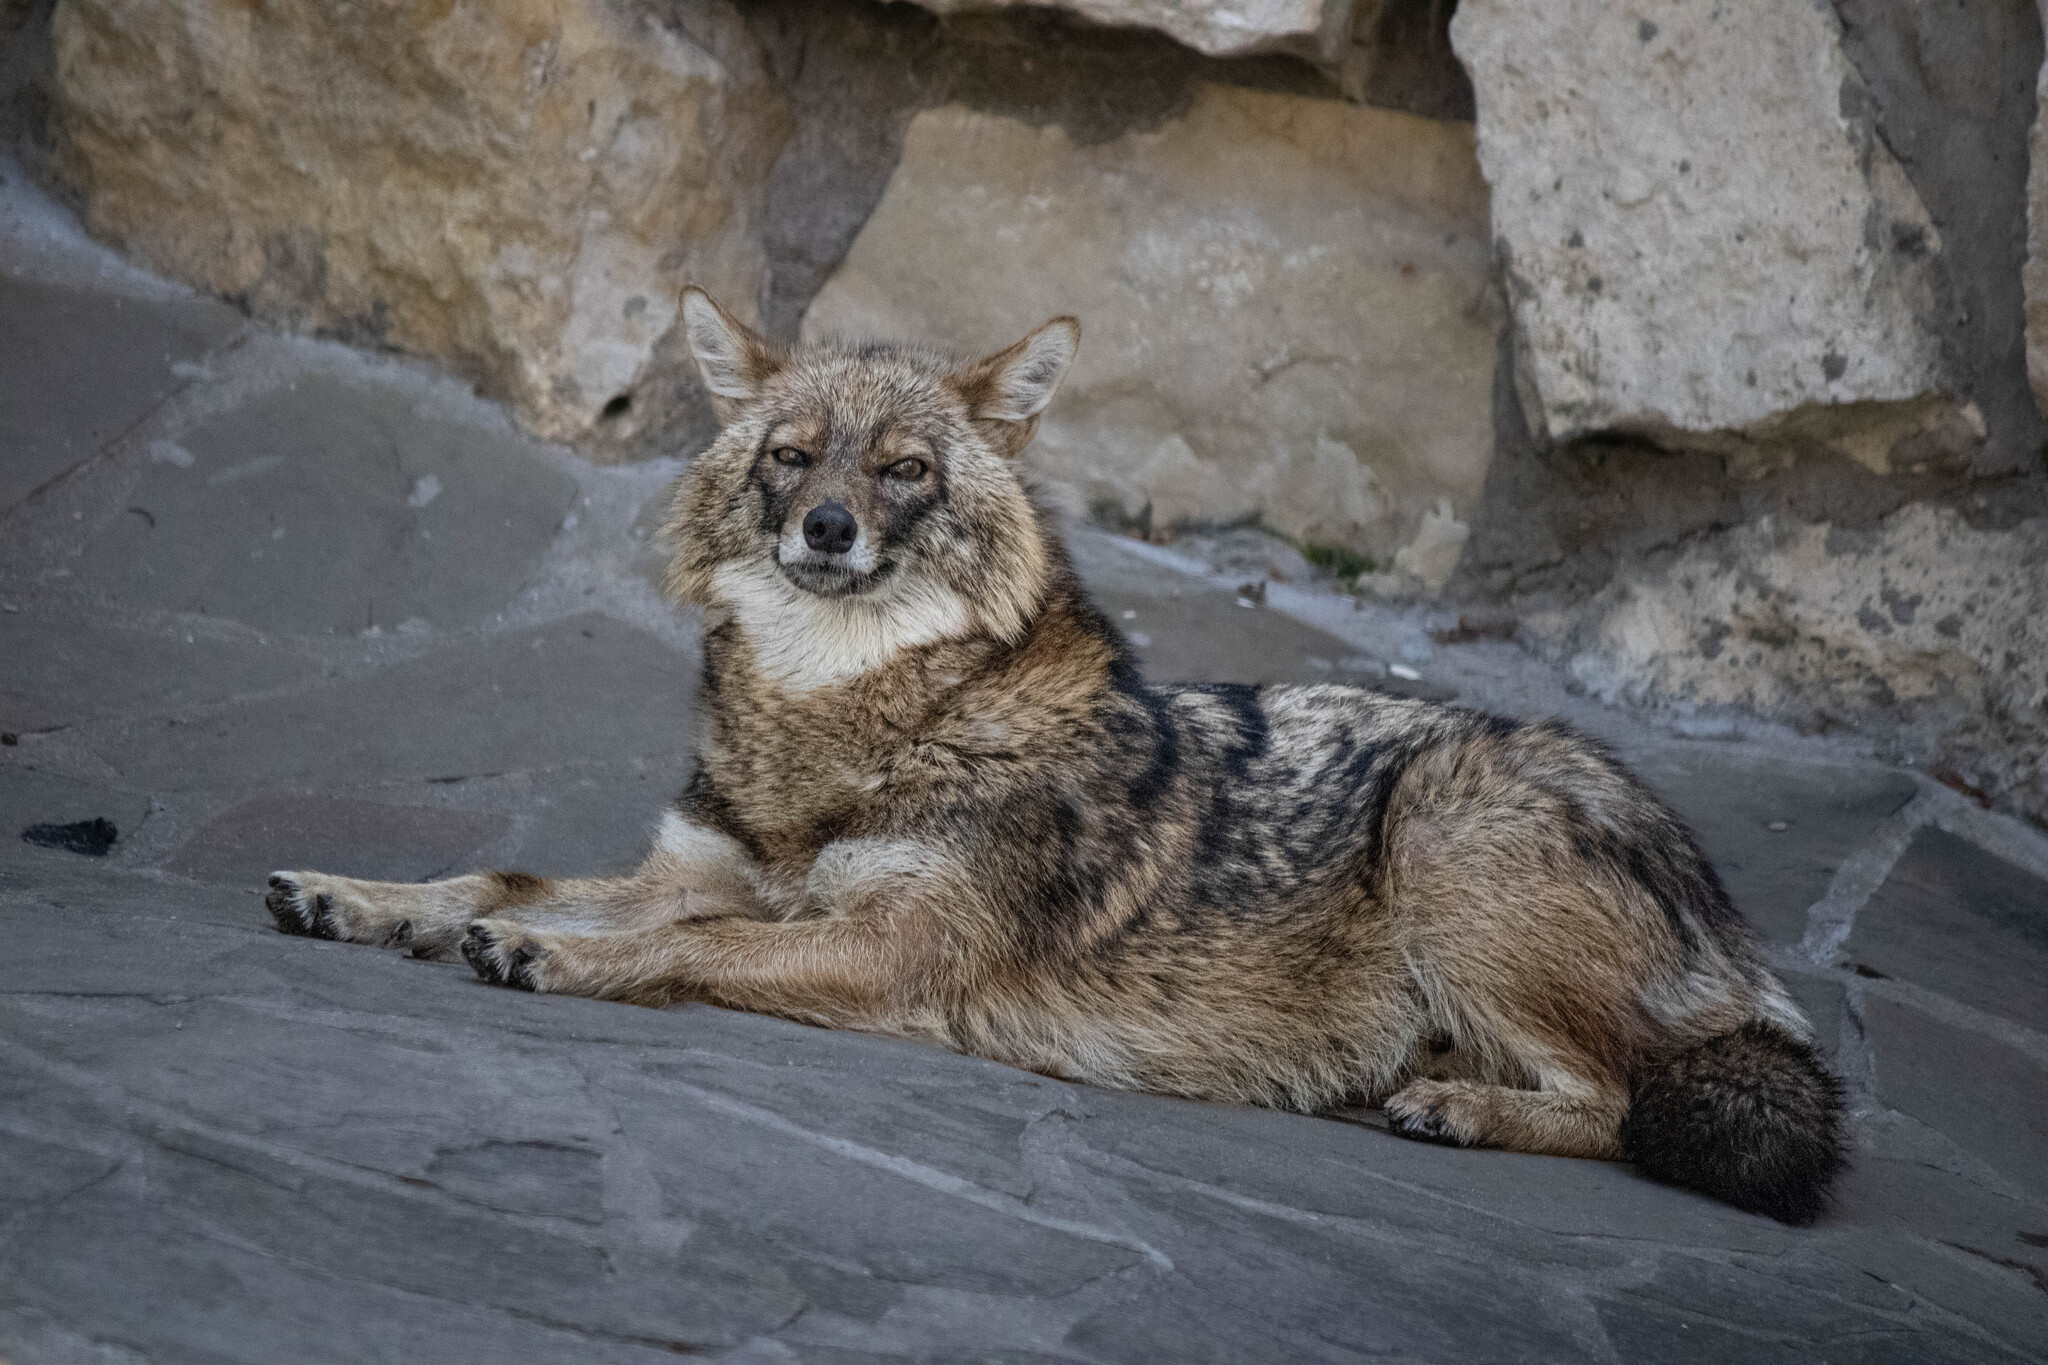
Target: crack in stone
119	1165
1445	1245
1954	1013
2032	1272
1830	919
916	1172
1999	835
1857	983
1853	1060
148	1123
670	1344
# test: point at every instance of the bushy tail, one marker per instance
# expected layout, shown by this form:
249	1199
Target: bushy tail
1751	1117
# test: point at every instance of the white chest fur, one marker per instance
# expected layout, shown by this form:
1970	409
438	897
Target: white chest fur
804	642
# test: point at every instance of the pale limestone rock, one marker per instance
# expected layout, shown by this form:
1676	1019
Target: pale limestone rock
1218	28
1696	239
1396	585
1434	552
520	188
1921	626
1284	302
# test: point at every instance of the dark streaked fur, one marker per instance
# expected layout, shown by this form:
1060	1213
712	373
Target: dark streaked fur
935	797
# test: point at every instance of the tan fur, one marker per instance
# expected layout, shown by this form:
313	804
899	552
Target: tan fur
934	799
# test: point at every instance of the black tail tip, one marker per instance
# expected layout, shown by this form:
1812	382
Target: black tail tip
1751	1117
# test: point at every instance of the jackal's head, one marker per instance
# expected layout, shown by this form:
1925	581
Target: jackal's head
861	500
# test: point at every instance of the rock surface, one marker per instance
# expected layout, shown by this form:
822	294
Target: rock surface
520	189
1217	28
1777	563
1951	92
220	1144
466	511
1922	625
1284	303
87	393
1696	240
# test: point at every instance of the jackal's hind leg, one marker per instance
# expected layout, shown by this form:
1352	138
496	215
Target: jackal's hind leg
1582	1119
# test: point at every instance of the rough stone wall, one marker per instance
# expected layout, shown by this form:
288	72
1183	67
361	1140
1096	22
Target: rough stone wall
1951	92
1391	53
784	137
1263	413
1706	350
1214	28
1695	242
1287	311
522	189
1785	562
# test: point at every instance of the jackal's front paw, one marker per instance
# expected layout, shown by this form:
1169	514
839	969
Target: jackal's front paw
316	906
1428	1111
299	911
507	954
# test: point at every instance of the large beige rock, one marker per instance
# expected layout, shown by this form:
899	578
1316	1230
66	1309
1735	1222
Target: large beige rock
520	188
1922	628
1220	28
1696	239
1284	302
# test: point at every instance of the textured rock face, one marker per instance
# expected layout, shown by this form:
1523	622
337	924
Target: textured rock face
520	188
1284	303
1216	28
1919	625
1696	239
1781	244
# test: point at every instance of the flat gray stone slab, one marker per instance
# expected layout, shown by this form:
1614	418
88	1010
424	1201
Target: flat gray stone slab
579	691
1732	802
1207	637
1904	1179
472	1174
30	797
598	820
326	508
382	842
57	670
1957	920
1821	1001
221	1144
82	367
1992	1100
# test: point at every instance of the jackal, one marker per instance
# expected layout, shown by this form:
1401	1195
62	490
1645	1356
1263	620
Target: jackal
936	798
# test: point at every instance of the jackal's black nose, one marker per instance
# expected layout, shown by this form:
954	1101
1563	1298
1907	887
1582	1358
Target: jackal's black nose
830	529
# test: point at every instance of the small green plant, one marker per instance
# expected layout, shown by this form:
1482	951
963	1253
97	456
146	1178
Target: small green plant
1345	564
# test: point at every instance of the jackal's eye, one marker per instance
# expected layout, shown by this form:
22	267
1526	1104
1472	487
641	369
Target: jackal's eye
791	456
912	468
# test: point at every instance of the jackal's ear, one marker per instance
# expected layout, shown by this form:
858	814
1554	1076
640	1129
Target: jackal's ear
1006	392
734	360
